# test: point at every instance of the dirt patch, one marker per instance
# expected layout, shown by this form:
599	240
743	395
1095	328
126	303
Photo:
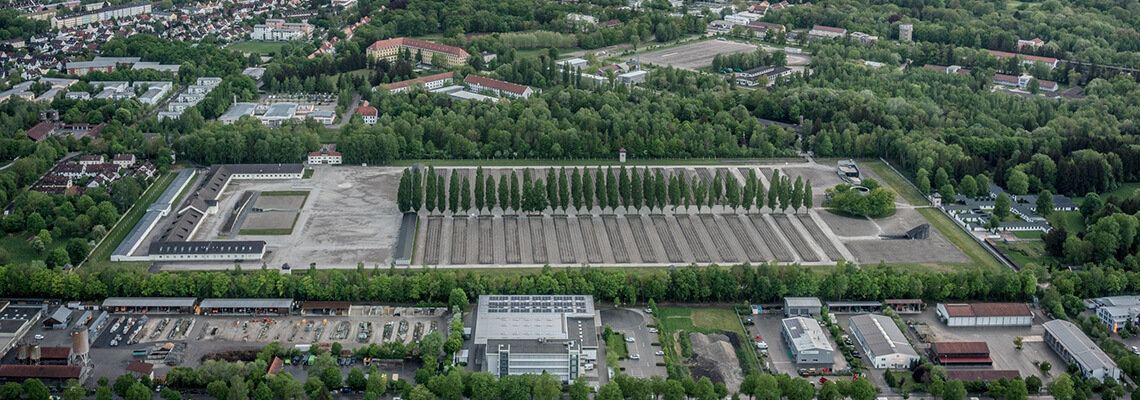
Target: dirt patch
714	356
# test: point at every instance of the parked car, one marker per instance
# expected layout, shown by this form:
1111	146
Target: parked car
652	330
659	353
629	339
634	357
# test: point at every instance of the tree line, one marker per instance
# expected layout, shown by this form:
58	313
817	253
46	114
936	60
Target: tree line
581	189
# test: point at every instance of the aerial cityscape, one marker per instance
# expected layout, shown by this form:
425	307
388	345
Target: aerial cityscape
569	200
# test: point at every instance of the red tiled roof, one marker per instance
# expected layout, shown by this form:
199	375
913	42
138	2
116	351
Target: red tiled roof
1005	78
829	29
55	353
40	131
367	111
327	153
980	375
1046	84
12	371
140	367
988	309
1047	60
495	84
422	79
419	44
950	348
275	367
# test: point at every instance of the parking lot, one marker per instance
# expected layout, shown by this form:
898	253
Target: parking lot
1005	355
197	336
633	323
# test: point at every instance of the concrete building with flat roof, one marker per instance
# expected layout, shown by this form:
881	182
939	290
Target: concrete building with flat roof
1076	348
802	307
884	343
522	334
807	343
985	314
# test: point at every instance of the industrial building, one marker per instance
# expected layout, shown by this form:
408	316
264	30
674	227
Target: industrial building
1076	348
58	319
325	307
884	343
150	305
961	353
802	307
985	314
245	306
516	335
854	307
237	111
279	113
807	342
218	250
16	320
77	366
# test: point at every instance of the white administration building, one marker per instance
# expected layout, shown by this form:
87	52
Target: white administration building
516	335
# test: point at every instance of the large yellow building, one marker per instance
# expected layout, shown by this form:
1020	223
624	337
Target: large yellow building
390	50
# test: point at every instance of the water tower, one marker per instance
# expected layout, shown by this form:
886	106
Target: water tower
80	349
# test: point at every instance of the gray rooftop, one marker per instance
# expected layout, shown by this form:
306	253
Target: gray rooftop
136	234
167	198
881	335
803	302
1118	301
208	247
533	317
149	302
247	303
281	111
238	110
1079	346
60	314
529	346
806	334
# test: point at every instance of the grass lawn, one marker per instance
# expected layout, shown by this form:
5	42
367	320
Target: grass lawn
101	257
705	320
263	48
971	248
282	231
308	173
535	53
1125	190
588	162
286	193
896	182
1027	252
19	247
615	344
1028	234
1072	221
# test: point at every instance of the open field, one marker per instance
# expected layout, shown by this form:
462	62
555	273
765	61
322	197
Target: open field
264	48
1072	221
699	319
896	182
695	55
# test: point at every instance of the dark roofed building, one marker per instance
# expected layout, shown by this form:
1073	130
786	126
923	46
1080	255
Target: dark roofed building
961	353
221	250
246	306
41	131
325	307
140	369
50	375
150	305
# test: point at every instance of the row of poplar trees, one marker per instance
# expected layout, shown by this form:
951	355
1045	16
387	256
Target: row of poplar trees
583	189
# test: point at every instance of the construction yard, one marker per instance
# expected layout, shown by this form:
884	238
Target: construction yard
676	236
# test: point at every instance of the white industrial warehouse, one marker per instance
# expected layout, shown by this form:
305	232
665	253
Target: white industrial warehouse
884	343
985	314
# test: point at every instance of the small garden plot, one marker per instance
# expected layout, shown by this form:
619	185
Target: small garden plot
616	241
431	248
511	227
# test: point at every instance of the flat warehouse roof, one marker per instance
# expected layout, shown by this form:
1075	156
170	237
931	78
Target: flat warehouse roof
1078	345
501	317
149	302
247	303
882	335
